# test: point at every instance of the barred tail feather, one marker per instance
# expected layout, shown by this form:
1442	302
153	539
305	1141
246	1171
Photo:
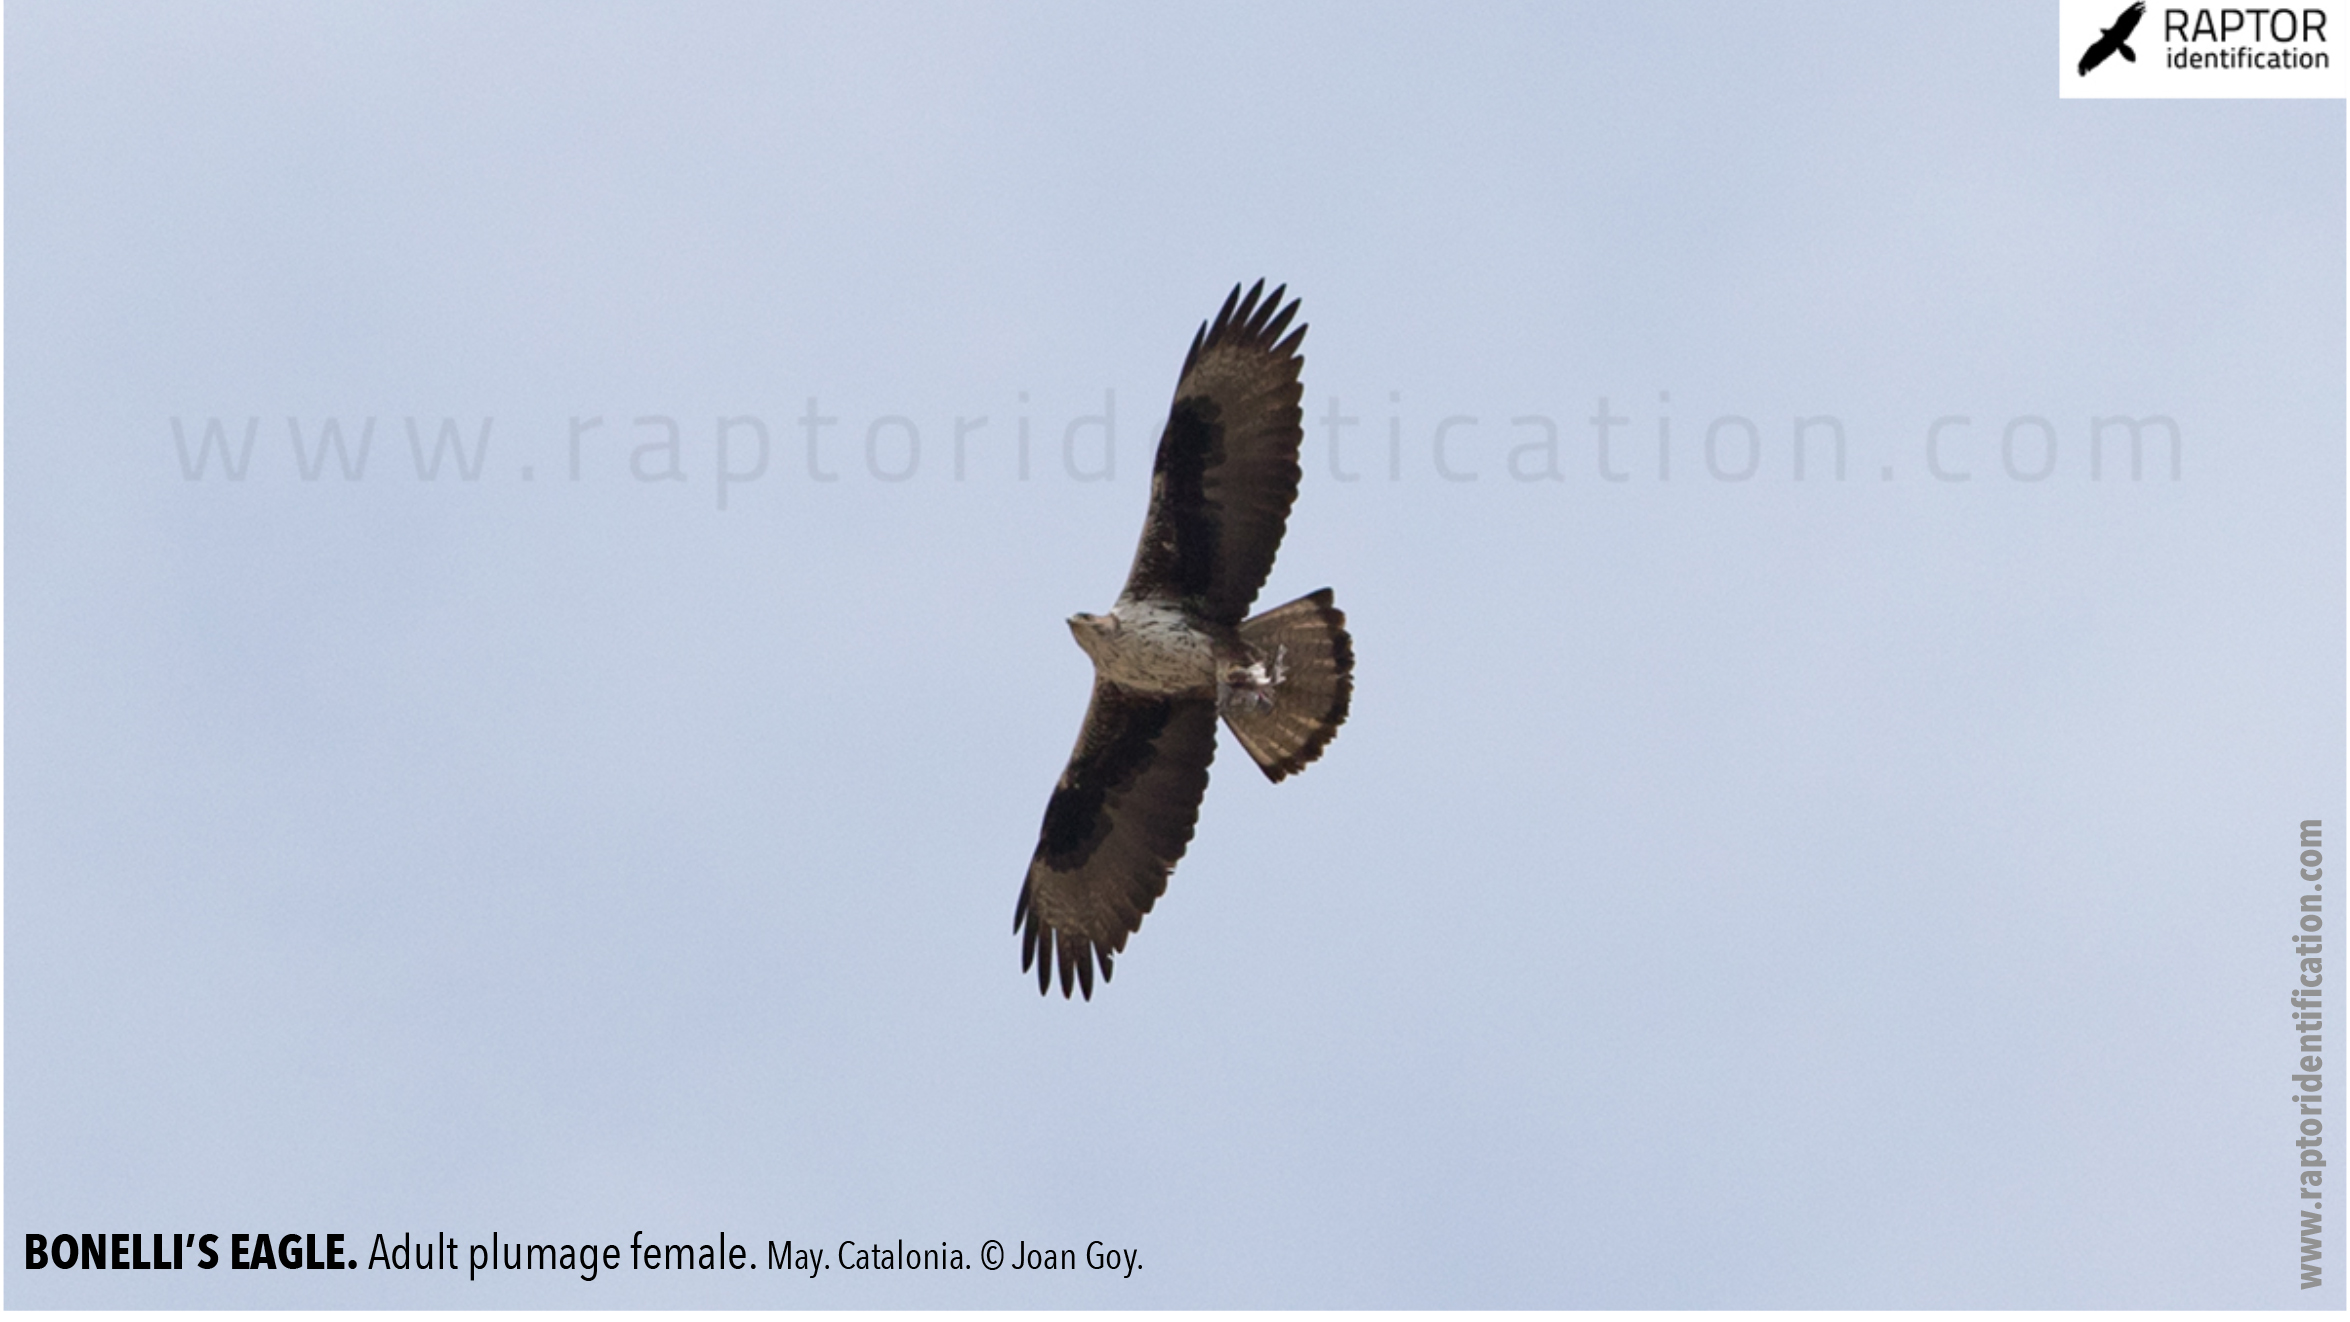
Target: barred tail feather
1305	644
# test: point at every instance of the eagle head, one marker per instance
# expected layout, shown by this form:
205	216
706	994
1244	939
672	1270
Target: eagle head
1092	631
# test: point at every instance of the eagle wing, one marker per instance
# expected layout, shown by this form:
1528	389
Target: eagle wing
1114	828
1227	471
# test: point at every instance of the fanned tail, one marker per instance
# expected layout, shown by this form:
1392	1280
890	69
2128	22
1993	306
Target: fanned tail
1308	660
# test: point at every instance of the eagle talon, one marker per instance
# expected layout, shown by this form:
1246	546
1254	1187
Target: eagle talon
1250	688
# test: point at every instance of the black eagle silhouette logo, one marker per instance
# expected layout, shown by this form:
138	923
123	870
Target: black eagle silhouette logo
2115	38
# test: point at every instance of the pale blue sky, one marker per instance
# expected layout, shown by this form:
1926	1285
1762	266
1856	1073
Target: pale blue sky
1760	892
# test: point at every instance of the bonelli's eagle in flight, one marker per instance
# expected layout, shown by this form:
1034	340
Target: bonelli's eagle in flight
1179	650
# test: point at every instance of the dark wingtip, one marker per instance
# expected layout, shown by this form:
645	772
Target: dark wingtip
1280	321
1029	924
1237	325
1224	315
1252	318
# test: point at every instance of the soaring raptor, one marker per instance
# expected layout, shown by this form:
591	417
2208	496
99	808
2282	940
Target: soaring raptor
2115	38
1179	649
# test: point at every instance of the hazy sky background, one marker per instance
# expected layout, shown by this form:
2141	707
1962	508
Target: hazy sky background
1729	891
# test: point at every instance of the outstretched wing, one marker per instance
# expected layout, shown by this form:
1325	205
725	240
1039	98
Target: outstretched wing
1117	822
1227	471
2127	23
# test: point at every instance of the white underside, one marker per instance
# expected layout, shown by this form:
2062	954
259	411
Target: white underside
1250	688
1155	650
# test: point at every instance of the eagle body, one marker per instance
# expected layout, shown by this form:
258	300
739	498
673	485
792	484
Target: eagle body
1179	651
1155	646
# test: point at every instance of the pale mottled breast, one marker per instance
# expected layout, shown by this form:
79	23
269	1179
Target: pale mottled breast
1156	648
